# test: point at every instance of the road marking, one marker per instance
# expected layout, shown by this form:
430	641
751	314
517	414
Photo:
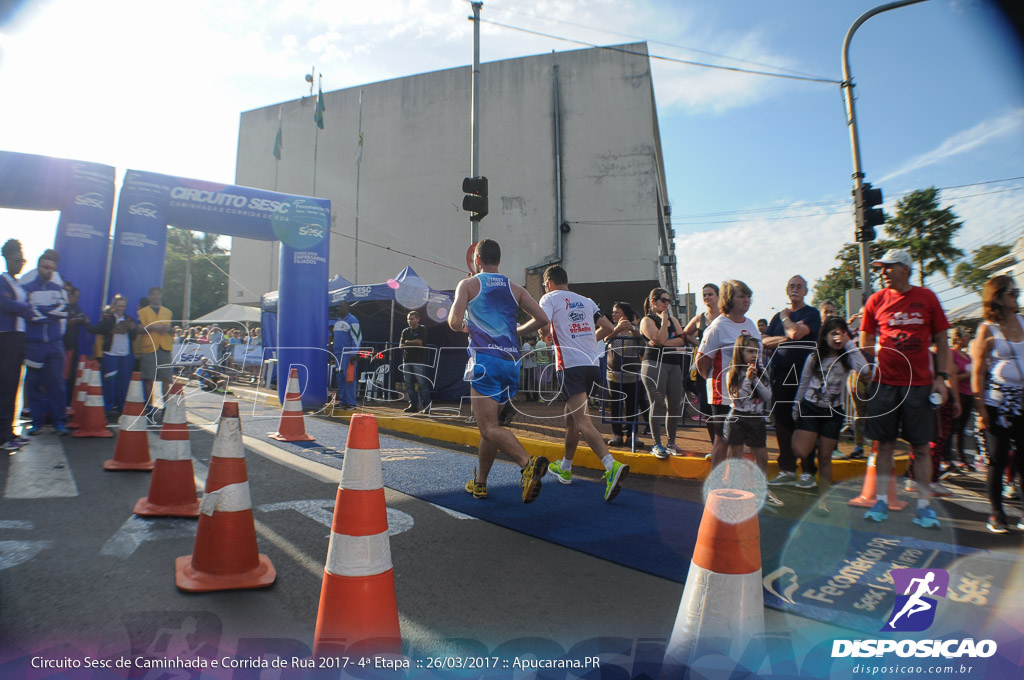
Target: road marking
40	470
136	531
454	513
13	553
398	521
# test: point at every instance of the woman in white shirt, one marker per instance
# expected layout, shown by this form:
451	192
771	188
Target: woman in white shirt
1000	402
118	331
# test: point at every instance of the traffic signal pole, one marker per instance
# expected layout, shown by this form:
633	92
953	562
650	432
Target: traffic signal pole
474	111
851	122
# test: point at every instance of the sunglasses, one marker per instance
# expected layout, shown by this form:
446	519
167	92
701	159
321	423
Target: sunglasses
665	300
1012	291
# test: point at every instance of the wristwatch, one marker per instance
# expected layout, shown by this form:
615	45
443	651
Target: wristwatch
943	374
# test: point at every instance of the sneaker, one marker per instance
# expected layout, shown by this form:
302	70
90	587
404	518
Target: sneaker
998	525
533	474
616	441
940	490
1009	493
926	518
858	452
879	512
613	480
659	452
478	489
410	409
910	486
674	450
34	430
806	482
784	478
822	510
771	499
563	476
11	445
21	440
61	429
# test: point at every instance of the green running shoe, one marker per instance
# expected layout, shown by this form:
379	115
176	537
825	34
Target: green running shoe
533	474
613	480
563	476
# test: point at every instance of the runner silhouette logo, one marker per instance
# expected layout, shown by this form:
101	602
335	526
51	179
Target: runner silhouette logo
914	610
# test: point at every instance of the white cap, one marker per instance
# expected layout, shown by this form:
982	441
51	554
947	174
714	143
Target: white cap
894	256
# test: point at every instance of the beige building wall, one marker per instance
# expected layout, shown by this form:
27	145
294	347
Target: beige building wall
416	136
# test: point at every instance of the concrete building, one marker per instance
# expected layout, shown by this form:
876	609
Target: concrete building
569	142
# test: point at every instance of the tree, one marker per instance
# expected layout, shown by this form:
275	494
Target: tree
971	275
845	275
209	285
927	231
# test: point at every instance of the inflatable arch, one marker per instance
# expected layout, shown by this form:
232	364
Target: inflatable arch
84	195
149	202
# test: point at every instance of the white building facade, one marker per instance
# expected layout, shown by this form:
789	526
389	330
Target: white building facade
568	141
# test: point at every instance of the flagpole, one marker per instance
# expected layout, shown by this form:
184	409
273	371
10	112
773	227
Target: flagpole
316	138
359	163
277	147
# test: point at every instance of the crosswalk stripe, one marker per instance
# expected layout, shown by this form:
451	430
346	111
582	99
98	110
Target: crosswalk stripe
41	470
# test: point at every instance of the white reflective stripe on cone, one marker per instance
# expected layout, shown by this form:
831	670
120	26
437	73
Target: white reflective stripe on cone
94	400
173	449
716	607
128	423
358	555
361	471
174	415
228	443
135	392
230	498
292	404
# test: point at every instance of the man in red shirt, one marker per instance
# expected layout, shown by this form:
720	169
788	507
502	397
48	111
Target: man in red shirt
907	320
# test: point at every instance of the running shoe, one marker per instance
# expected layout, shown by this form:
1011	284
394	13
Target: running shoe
910	486
563	476
674	450
478	489
940	490
771	499
1009	492
613	480
926	518
784	478
11	445
34	430
533	475
822	510
858	452
998	525
879	512
659	452
616	441
806	482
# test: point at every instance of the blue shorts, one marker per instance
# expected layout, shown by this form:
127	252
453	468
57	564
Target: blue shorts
493	377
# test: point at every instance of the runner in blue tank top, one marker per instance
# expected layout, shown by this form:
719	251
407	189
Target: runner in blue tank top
486	306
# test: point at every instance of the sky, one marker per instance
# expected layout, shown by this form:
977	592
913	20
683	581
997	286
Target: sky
758	167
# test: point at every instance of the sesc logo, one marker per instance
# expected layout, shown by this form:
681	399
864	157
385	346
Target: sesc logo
144	210
311	230
914	611
90	200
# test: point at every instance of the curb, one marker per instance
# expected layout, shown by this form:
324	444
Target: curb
679	467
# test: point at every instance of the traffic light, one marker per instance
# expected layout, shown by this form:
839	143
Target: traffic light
475	200
865	198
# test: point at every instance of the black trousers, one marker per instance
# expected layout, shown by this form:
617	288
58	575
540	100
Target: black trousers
12	356
784	427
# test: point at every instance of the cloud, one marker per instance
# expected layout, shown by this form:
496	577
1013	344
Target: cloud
985	132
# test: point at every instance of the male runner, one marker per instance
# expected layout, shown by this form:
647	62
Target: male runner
577	357
486	306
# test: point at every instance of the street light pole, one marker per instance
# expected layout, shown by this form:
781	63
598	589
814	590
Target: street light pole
474	123
851	122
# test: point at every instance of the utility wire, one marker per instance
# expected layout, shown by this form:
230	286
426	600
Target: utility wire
395	250
735	69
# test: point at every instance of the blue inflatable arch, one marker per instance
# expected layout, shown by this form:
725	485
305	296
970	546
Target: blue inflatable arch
149	202
84	195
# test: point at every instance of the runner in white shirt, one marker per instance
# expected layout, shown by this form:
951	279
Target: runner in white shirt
577	357
714	356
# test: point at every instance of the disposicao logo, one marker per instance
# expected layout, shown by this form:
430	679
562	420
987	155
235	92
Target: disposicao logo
913	612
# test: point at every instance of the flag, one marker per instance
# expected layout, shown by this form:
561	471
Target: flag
318	112
359	149
278	143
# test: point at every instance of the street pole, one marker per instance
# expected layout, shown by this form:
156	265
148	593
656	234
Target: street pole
851	122
359	163
187	302
474	123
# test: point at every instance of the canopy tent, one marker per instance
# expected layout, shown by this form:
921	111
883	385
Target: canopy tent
232	313
268	302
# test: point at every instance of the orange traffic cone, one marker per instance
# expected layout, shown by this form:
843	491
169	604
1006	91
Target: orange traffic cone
132	449
357	599
94	419
225	555
722	607
869	492
72	407
172	488
292	427
78	405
